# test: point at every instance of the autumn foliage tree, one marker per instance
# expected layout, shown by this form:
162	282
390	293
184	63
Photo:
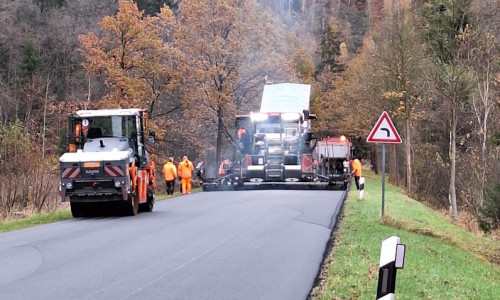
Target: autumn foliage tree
135	56
226	53
399	60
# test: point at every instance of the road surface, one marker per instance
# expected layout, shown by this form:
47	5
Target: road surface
212	245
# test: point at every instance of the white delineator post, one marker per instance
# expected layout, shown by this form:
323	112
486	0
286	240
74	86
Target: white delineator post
392	256
361	188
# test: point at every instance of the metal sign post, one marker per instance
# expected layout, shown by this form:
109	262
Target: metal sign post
383	179
384	132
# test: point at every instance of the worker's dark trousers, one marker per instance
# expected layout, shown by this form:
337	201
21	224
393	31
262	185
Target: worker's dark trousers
356	180
170	187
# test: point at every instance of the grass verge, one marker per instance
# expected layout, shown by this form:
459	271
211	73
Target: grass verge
35	220
442	260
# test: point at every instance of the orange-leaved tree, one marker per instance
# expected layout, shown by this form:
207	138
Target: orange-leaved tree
135	55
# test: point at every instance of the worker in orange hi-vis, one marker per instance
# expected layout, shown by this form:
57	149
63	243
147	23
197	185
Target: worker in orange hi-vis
243	140
241	132
224	165
356	171
170	174
72	146
185	169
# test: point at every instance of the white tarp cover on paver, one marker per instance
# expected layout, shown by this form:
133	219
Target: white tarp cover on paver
333	150
285	97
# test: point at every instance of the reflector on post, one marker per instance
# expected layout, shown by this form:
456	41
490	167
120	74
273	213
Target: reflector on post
400	256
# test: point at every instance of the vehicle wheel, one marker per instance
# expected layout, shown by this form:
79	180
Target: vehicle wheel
77	209
148	206
241	183
132	204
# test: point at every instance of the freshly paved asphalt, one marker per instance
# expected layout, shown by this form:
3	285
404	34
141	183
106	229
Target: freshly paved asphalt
211	245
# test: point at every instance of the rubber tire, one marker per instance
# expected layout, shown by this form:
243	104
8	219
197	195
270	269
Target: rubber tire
148	206
132	204
241	183
77	209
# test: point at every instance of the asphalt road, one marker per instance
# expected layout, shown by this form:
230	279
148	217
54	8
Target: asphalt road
212	245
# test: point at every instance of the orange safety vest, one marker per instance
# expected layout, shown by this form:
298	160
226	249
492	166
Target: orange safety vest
222	171
241	131
169	171
77	133
185	168
356	167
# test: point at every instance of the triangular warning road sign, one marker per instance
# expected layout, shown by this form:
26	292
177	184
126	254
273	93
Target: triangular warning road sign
384	131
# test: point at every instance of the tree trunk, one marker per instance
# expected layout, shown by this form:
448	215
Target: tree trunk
218	148
396	164
45	115
313	9
88	94
453	149
393	167
152	105
408	157
482	110
373	158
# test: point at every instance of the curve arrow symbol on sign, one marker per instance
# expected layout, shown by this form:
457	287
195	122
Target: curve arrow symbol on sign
384	131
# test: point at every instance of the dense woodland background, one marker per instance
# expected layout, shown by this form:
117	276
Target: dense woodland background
195	64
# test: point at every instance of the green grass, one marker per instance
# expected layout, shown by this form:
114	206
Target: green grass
35	220
442	260
45	218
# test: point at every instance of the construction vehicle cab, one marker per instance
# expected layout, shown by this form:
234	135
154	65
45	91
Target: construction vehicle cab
275	146
107	161
333	156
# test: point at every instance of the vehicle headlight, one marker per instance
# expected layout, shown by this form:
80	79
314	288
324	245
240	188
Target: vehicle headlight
69	185
117	183
291	117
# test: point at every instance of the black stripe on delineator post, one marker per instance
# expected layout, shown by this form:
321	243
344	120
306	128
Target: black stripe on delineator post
386	280
361	188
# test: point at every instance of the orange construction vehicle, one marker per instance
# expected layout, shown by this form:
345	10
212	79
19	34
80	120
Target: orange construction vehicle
107	162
